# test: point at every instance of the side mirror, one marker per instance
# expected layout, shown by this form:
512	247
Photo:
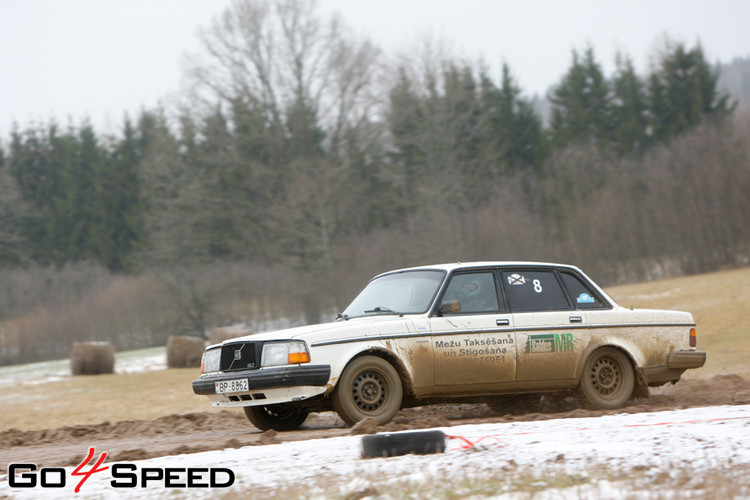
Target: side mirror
449	307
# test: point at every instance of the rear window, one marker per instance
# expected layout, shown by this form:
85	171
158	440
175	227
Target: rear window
534	291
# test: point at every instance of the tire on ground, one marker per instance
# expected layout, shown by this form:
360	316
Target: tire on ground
276	417
368	387
403	443
608	379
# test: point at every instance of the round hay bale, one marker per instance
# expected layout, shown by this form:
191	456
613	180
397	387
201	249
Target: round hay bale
92	358
219	335
184	352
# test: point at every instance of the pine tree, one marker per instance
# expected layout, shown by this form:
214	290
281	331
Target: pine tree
405	118
14	216
515	128
118	202
629	110
581	104
683	92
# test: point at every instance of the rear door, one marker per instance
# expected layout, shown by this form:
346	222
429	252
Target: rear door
550	331
472	339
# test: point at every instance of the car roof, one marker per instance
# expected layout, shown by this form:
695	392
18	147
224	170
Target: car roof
469	265
507	264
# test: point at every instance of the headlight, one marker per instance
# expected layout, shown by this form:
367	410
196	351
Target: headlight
285	353
211	361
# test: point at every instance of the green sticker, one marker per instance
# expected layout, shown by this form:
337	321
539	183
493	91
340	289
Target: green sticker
551	342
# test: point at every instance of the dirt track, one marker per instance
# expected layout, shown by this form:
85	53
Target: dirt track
211	430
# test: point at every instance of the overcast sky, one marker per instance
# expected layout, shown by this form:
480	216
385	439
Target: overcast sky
102	58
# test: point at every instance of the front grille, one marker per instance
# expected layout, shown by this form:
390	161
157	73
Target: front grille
240	356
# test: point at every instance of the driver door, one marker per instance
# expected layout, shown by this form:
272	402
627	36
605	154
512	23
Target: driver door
473	341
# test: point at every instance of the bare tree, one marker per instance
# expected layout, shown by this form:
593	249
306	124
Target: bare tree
275	54
310	86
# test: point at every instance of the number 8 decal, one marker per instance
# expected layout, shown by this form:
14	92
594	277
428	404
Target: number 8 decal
537	286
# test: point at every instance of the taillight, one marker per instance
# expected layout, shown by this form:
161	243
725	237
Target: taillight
693	339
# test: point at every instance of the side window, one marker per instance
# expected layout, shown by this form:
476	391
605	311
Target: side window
475	292
534	291
581	295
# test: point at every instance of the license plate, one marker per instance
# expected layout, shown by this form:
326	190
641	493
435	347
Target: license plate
230	386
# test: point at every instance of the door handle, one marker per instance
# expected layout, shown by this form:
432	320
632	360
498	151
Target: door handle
502	322
576	319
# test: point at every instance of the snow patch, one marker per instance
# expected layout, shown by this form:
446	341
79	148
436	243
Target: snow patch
655	445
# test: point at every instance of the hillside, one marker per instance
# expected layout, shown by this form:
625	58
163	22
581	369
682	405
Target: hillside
720	303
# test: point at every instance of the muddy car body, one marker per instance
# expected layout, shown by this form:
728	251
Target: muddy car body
484	331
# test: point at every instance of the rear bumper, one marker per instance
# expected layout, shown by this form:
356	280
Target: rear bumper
677	363
686	359
267	378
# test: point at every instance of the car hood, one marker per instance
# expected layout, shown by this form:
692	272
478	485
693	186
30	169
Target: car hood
337	330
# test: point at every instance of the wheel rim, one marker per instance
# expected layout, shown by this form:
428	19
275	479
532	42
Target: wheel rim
369	391
606	376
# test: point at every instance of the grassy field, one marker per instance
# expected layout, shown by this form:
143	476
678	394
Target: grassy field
96	399
719	301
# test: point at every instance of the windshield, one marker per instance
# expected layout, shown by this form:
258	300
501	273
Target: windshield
410	292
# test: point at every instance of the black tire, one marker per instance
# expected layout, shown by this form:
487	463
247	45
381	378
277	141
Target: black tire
369	387
608	380
403	443
276	417
515	403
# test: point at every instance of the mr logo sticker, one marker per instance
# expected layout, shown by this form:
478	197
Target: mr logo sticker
552	342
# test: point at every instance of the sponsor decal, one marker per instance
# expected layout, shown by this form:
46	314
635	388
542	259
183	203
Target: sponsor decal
476	350
551	342
475	342
585	298
516	279
123	475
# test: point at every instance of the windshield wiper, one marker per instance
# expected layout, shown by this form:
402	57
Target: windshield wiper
342	316
380	309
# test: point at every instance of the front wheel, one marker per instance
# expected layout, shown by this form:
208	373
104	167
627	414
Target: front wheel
276	417
369	387
608	379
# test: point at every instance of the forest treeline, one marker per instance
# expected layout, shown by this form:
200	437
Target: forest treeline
304	161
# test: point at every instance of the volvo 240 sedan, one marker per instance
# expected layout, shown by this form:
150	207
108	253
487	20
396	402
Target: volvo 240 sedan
476	331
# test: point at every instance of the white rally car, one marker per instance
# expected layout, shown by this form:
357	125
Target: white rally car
477	331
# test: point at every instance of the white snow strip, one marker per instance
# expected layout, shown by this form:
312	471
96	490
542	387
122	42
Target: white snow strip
698	439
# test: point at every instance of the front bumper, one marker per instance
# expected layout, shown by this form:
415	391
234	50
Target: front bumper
267	378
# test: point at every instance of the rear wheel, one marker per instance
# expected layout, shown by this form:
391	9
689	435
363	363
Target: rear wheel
608	379
276	417
369	387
